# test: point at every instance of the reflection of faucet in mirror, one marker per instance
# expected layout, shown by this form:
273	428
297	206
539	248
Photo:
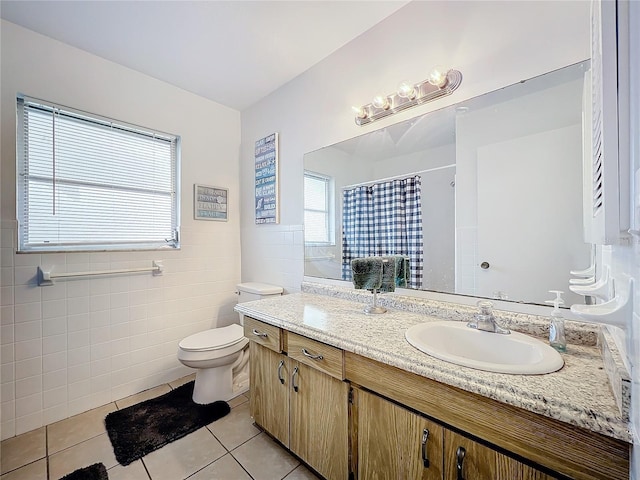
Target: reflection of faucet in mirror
485	321
515	158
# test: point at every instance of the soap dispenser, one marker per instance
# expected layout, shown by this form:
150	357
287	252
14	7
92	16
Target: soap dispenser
557	337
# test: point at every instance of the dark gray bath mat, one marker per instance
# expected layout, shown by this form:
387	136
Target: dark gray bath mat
97	471
142	428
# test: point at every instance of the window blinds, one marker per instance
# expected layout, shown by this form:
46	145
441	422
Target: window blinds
90	183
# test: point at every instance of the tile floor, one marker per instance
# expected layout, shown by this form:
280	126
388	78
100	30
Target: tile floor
231	448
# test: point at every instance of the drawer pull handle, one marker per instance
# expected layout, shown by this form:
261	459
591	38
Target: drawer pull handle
311	356
293	379
460	453
280	377
259	334
425	437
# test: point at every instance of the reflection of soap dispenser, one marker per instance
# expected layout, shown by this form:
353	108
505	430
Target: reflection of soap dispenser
557	338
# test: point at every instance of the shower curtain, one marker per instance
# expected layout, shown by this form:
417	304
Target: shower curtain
384	219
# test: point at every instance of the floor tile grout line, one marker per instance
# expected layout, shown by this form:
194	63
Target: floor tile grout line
242	466
240	463
46	448
217	439
210	463
22	466
144	465
76	444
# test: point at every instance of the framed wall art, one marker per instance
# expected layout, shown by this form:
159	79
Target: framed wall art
266	168
210	203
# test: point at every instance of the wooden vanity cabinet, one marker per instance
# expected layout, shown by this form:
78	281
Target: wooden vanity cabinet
300	398
299	395
394	443
555	446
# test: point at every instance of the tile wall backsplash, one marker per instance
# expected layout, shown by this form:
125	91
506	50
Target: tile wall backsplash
275	255
84	342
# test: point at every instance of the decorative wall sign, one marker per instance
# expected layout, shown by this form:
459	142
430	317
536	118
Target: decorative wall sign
210	203
266	165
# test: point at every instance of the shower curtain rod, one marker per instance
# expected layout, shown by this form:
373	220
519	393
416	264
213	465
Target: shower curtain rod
404	175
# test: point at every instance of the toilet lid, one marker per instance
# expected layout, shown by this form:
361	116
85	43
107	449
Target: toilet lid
213	339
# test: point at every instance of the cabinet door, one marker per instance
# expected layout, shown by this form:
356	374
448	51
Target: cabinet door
394	443
466	459
319	421
513	469
269	400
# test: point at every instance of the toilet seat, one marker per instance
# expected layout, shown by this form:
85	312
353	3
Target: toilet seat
213	339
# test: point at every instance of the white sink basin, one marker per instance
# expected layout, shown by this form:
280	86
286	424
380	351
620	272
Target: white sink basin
494	352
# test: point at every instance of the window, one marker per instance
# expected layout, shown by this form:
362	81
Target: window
318	209
90	183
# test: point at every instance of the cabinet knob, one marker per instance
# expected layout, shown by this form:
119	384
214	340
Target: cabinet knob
460	453
280	377
425	437
485	265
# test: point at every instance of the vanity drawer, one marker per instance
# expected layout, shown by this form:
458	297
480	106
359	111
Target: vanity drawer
263	333
318	355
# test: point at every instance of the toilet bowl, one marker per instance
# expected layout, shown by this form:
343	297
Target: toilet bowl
221	355
214	353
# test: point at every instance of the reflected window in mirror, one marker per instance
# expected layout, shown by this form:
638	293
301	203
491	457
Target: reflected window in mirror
318	209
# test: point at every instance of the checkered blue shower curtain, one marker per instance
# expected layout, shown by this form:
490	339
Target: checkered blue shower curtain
384	219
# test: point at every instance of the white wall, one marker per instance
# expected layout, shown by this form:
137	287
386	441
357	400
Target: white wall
83	343
493	44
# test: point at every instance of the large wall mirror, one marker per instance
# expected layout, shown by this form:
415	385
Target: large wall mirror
499	193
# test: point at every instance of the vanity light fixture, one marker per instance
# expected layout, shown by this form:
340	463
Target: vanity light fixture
406	90
441	82
438	76
381	102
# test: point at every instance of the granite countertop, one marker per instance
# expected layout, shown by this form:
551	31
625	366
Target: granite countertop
578	394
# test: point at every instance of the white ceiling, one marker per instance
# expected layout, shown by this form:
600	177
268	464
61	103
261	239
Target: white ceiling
232	52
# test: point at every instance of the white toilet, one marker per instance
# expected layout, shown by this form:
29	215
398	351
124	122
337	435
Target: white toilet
221	355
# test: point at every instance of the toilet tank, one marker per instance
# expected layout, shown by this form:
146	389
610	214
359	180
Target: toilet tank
256	291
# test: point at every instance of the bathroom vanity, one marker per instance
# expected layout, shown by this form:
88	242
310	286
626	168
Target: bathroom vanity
346	393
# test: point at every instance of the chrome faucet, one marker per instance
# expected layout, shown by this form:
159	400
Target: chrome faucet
485	321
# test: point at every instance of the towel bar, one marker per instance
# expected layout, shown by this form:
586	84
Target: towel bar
45	277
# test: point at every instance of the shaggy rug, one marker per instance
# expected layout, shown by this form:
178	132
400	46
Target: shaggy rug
142	428
97	471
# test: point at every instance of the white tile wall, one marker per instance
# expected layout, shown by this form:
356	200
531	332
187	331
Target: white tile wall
275	255
84	342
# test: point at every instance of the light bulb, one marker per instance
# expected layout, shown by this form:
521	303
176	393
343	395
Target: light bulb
438	76
360	112
380	101
406	90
